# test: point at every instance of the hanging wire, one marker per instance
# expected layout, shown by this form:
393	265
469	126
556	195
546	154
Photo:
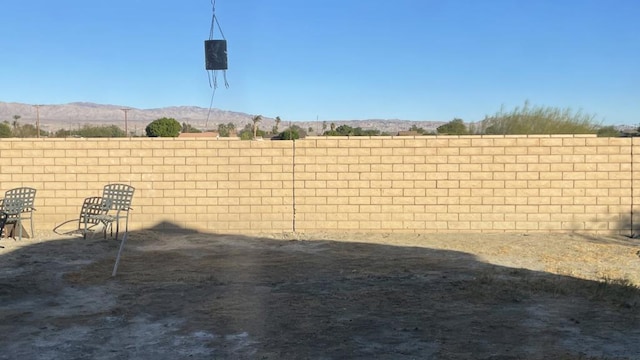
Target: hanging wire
214	21
212	74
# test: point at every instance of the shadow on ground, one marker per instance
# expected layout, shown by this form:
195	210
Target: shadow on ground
183	294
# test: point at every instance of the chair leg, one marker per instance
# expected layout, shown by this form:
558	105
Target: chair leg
19	225
32	232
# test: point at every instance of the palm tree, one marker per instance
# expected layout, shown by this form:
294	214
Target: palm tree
275	128
256	119
15	122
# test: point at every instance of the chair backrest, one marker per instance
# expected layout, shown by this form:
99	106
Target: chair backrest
19	200
117	196
91	206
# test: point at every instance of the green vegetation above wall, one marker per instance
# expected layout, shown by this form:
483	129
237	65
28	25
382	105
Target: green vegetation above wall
163	127
530	120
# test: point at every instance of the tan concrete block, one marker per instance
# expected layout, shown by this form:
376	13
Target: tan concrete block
337	168
391	159
348	176
573	209
448	151
610	150
446	168
610	200
345	192
470	151
340	184
411	193
515	200
551	142
504	176
175	161
348	225
574	176
481	193
618	175
448	200
550	209
585	200
482	142
204	153
369	160
448	184
584	184
493	167
404	152
539	200
419	168
377	143
551	175
401	216
527	192
359	184
481	175
573	141
359	217
516	150
458	209
526	175
495	151
538	167
427	184
549	159
527	225
539	150
55	202
348	142
362	176
403	201
394	143
33	153
448	217
621	159
493	184
359	168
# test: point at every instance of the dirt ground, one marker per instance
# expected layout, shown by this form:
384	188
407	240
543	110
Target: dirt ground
188	295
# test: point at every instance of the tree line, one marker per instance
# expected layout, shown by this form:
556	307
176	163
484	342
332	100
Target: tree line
519	121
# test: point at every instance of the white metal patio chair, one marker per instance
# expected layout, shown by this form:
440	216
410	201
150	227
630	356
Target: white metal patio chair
90	206
114	206
18	203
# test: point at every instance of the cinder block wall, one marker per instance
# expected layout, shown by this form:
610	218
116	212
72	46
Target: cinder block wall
357	184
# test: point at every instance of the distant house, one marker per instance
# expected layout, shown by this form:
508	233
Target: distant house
206	134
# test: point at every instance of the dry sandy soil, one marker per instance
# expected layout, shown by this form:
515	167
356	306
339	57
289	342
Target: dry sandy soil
188	295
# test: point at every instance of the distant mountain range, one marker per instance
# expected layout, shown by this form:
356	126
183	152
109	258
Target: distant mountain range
78	114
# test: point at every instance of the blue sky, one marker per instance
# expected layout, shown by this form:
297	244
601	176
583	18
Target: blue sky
329	60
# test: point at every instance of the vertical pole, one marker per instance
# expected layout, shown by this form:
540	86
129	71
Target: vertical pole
293	186
37	120
115	266
126	130
631	230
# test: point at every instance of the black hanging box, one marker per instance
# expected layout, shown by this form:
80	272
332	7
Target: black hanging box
216	54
